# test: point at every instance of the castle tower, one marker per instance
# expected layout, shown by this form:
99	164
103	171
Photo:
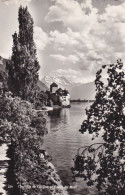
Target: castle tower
53	87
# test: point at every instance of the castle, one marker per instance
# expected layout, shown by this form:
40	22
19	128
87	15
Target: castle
59	96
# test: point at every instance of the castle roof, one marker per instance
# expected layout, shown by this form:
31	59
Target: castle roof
54	85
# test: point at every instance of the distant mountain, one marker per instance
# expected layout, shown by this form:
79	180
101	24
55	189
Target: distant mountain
61	81
84	91
77	91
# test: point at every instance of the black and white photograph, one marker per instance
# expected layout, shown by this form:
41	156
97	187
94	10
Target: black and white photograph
62	97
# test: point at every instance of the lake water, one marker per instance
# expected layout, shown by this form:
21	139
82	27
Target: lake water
62	142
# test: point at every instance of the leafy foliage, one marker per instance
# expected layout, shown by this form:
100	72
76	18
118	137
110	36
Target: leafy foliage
23	68
103	163
41	99
19	119
23	128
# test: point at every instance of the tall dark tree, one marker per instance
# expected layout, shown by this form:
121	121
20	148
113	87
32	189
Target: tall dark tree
103	164
23	69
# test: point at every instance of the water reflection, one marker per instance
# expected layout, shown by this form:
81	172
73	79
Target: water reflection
58	117
55	113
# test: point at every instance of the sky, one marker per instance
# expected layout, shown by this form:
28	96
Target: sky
74	38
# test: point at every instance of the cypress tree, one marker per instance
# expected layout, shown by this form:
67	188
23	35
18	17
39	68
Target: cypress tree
23	68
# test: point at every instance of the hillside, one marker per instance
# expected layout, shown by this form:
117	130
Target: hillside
84	91
42	86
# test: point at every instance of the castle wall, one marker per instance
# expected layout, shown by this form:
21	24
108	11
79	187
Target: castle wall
65	100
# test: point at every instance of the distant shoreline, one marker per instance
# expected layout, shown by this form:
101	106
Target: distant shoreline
78	100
